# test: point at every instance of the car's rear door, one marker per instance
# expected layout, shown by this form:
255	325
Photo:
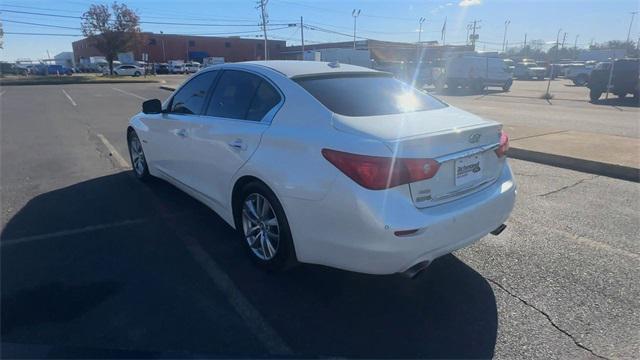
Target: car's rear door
239	111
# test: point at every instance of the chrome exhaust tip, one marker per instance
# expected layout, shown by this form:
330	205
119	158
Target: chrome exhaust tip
499	229
416	269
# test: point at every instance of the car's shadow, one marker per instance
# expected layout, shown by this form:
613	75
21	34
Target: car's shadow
613	100
449	311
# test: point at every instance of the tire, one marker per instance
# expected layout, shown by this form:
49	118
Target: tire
507	85
581	80
594	94
137	73
137	157
477	85
114	73
264	231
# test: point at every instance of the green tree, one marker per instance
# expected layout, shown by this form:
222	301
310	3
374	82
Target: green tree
112	29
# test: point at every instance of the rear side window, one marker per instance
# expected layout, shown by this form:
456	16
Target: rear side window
241	95
190	98
368	95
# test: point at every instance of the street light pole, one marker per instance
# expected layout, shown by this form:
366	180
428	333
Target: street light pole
164	55
633	14
420	21
575	47
546	94
355	13
504	39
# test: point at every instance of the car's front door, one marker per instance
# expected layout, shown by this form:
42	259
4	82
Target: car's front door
171	134
239	111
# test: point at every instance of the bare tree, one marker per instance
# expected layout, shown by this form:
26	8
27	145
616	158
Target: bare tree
1	37
113	29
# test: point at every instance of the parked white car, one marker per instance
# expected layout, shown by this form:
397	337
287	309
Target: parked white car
126	70
191	67
328	164
529	70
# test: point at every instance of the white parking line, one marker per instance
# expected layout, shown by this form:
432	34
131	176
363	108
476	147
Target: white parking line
70	232
130	94
69	97
114	153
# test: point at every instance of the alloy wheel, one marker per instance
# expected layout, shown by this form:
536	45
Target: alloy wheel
137	156
260	226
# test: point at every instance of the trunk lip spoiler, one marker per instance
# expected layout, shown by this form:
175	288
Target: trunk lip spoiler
465	153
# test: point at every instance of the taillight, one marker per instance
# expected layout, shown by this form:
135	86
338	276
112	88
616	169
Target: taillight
504	144
378	172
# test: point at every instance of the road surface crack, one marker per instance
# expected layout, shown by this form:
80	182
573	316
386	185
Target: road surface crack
568	186
528	304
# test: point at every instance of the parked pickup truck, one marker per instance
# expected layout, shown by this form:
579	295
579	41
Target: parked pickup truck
579	73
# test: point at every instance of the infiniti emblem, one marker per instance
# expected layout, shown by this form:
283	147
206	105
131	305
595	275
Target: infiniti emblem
474	138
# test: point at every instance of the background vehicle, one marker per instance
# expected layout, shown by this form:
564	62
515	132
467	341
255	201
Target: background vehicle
192	67
212	60
579	73
52	70
624	79
476	72
127	70
162	68
343	198
529	70
176	66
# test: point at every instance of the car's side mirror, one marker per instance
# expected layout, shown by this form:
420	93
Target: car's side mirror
153	106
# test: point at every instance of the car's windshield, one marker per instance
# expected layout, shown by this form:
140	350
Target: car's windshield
367	95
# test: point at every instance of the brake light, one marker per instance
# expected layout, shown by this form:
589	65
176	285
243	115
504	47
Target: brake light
378	172
504	144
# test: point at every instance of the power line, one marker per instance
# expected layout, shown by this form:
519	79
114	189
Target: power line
40	34
341	12
37	24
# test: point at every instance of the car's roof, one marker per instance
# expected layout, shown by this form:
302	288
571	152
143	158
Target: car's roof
295	68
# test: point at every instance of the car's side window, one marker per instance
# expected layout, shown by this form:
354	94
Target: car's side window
242	95
264	100
190	98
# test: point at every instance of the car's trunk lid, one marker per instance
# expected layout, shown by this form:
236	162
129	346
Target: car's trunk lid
461	142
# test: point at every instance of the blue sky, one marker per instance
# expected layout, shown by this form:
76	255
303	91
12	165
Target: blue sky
394	20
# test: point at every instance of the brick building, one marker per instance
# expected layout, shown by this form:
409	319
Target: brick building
165	47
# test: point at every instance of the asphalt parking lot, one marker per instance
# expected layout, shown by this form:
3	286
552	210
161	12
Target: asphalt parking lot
96	264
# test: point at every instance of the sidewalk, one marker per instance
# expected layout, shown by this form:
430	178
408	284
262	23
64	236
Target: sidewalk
601	154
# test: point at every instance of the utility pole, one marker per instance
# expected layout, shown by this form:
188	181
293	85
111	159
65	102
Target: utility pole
302	35
262	4
575	47
564	38
504	39
633	14
473	35
164	55
355	13
466	42
420	21
525	45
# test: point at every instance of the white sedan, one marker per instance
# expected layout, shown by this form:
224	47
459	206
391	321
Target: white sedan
127	70
328	164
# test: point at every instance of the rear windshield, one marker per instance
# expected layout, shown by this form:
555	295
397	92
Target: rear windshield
367	95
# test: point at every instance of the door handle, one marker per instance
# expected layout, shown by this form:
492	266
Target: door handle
237	144
182	133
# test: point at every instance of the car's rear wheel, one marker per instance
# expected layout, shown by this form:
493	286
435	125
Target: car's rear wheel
264	228
581	80
507	85
138	160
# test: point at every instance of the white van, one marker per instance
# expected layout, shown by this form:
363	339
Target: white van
476	72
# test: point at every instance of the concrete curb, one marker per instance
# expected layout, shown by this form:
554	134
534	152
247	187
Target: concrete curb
588	166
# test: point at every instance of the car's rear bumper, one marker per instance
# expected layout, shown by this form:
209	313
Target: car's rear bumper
353	228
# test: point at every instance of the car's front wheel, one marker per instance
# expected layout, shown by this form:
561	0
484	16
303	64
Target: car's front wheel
594	94
138	160
264	228
137	73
